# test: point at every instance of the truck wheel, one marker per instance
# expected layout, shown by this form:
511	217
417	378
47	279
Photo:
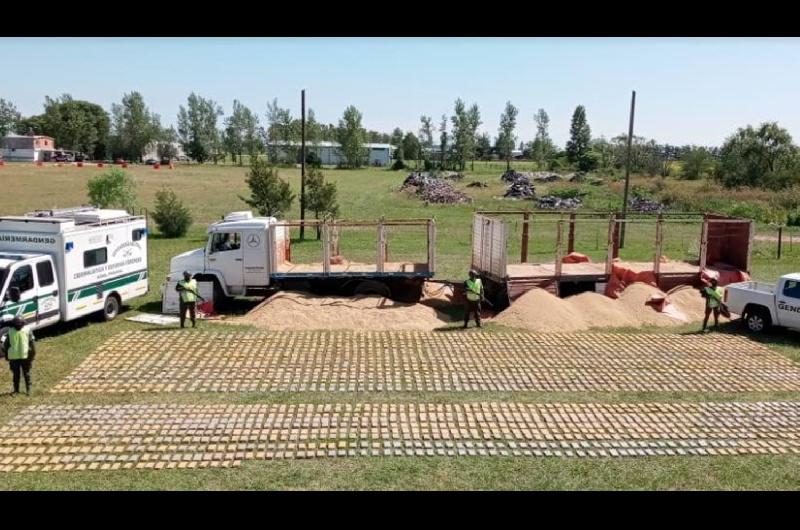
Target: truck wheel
111	308
757	320
373	287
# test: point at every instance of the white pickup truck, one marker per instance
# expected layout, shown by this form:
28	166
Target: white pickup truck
765	304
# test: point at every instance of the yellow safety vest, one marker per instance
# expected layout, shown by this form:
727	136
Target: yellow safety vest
18	343
714	296
189	288
474	289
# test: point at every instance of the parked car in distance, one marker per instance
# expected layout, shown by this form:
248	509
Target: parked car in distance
165	161
151	161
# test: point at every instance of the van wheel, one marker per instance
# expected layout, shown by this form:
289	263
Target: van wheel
757	320
111	308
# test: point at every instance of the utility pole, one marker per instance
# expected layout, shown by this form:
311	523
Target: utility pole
302	164
627	174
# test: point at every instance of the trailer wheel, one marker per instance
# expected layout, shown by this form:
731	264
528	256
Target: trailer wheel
757	320
373	287
111	308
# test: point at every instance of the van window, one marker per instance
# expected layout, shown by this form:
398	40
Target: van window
92	258
138	234
44	270
22	279
223	241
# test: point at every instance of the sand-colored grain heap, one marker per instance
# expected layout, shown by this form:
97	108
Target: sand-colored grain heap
300	311
539	310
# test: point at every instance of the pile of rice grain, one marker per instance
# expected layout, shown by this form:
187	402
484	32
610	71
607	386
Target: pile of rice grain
539	310
300	311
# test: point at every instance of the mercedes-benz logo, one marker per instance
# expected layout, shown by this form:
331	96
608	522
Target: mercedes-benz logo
253	240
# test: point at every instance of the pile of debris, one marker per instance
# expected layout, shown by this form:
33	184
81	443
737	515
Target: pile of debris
434	190
551	202
546	176
520	186
515	177
438	191
521	190
578	176
645	205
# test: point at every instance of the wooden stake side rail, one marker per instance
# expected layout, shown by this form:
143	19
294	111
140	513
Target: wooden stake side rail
556	271
330	235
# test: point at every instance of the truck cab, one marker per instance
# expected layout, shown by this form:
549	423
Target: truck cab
28	288
236	256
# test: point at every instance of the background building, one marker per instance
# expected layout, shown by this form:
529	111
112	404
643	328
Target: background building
26	148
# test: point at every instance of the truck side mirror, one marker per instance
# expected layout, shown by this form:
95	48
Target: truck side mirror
13	294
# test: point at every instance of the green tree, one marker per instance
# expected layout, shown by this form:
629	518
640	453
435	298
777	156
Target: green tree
197	128
134	127
542	149
313	129
172	218
465	126
9	117
443	138
580	136
76	125
426	136
165	148
483	146
411	147
396	139
241	132
31	125
113	189
754	157
351	136
321	197
697	163
269	194
506	139
283	133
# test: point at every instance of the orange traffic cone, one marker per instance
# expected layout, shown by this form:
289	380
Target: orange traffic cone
124	164
39	163
171	165
156	166
99	164
79	164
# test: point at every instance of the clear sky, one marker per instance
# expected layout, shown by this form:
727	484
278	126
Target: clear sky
688	90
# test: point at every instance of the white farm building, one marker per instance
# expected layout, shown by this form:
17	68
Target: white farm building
330	153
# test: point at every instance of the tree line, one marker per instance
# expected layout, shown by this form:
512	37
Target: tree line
763	156
131	129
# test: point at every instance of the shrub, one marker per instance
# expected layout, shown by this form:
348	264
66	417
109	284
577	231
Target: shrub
113	189
171	216
270	195
567	193
398	164
313	160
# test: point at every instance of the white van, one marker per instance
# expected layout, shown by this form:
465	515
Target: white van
59	265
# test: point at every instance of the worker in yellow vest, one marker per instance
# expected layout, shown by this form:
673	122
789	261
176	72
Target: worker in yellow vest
20	349
474	295
713	295
187	287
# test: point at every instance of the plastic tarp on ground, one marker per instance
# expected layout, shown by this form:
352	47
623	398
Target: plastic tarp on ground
575	257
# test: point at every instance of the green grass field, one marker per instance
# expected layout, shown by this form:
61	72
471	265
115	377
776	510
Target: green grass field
211	191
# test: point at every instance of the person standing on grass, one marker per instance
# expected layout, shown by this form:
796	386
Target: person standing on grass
474	292
187	287
19	350
713	296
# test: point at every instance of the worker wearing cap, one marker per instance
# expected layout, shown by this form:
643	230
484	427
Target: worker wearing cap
187	287
713	295
20	349
474	295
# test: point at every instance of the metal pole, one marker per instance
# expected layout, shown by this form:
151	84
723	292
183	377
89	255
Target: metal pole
302	163
627	172
524	249
780	238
